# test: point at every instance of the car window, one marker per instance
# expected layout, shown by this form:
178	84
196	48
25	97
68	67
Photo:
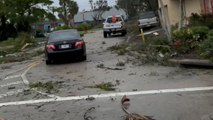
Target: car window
147	15
109	20
63	35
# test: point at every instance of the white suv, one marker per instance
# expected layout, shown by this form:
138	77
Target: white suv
113	25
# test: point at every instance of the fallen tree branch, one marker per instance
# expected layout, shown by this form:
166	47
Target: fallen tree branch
125	103
86	117
108	68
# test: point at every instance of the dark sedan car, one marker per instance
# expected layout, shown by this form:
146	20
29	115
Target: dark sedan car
65	44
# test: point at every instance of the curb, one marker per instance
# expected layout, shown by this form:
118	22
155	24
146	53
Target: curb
193	62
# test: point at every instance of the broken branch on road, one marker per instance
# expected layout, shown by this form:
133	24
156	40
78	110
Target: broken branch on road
108	68
125	103
104	86
86	116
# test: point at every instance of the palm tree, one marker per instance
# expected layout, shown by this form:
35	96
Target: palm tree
67	11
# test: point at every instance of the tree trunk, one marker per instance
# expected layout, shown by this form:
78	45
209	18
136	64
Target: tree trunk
66	21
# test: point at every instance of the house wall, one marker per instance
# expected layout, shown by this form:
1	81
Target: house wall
173	8
193	6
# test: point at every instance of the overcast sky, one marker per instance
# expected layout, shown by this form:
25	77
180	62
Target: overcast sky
84	4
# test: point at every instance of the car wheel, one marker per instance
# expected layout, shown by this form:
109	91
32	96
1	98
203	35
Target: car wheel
105	34
48	62
124	33
84	57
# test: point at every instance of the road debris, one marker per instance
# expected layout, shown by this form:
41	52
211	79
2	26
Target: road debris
26	45
103	42
11	88
120	64
6	67
108	68
90	98
86	114
132	74
100	65
104	86
134	89
125	104
48	87
2	119
118	82
154	74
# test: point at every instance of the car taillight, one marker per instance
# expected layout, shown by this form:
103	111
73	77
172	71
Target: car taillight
51	47
79	44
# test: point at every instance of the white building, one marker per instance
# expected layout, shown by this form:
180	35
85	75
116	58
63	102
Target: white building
87	16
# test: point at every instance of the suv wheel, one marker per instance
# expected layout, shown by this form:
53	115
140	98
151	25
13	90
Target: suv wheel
124	33
105	34
48	62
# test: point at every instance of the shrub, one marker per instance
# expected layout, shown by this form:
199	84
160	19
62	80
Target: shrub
189	39
201	20
206	49
22	39
200	32
210	35
185	33
83	27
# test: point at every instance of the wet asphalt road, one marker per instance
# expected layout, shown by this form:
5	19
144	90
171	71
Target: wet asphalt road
76	77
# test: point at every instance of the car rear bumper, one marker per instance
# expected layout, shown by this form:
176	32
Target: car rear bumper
66	54
115	30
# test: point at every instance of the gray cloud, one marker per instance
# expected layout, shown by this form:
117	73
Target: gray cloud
84	4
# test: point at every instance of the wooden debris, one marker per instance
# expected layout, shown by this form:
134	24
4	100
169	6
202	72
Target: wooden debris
132	116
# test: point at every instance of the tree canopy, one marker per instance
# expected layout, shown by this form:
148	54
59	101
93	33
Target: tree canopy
134	7
67	10
98	7
17	15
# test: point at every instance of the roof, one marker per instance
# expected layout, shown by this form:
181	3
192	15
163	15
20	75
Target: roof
87	16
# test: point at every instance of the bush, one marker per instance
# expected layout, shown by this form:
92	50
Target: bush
83	27
22	39
12	45
200	32
188	39
210	35
185	33
201	20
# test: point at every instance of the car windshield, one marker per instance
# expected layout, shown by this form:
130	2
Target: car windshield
64	35
147	15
